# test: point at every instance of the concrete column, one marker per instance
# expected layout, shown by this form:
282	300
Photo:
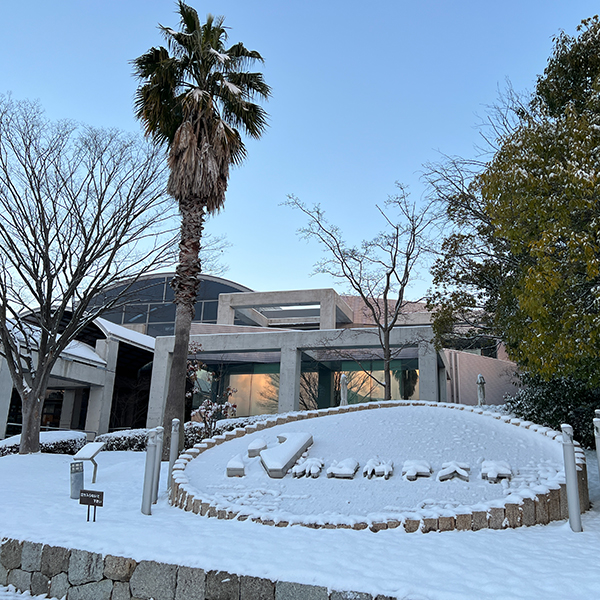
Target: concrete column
100	403
66	413
428	372
159	385
225	314
327	318
6	388
289	379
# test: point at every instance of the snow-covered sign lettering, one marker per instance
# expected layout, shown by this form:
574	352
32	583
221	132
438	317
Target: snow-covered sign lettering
453	469
495	470
411	469
345	469
311	467
378	468
278	460
236	466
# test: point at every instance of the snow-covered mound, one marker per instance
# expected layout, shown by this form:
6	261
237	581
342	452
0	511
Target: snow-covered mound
408	435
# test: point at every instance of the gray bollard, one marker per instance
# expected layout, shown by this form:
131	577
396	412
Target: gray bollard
174	449
343	390
149	472
157	460
571	478
597	436
76	479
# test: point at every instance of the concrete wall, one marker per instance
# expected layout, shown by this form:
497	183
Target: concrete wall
463	370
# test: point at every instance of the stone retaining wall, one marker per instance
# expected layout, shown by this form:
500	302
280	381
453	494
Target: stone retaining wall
538	509
81	575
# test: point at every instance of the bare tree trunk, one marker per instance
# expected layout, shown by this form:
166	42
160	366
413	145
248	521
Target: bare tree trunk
387	357
186	284
30	431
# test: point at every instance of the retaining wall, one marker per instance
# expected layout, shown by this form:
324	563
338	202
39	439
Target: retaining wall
539	508
81	575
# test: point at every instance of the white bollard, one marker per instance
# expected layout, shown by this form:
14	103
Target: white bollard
149	472
597	436
157	460
174	449
571	477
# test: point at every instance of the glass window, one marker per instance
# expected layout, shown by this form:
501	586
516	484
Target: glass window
210	311
210	290
160	313
136	313
147	290
115	315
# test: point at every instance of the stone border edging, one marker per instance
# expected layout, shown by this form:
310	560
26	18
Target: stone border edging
82	575
540	508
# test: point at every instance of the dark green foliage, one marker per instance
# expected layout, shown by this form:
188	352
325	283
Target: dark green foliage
69	444
560	400
131	439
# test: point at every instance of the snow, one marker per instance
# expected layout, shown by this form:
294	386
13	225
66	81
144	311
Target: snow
46	437
527	563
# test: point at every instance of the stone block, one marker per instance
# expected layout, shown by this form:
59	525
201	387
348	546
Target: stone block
20	579
3	575
10	554
196	506
191	584
59	585
154	580
554	505
31	557
285	590
496	520
121	591
447	523
513	514
350	596
55	560
384	597
564	503
221	585
528	512
430	524
97	590
584	498
119	568
256	588
85	567
375	527
480	520
412	525
464	522
359	526
392	524
541	509
40	584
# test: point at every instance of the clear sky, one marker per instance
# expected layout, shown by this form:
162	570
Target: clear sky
364	93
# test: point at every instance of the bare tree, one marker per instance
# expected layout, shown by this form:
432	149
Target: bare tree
381	269
80	209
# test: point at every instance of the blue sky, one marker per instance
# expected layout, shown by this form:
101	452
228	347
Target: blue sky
363	95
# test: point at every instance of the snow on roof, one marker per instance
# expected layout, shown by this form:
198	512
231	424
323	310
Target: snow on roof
146	342
80	350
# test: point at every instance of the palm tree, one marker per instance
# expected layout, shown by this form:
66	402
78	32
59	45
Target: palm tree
196	96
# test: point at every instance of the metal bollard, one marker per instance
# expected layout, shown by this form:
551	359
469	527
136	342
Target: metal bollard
571	477
597	436
157	460
149	472
174	449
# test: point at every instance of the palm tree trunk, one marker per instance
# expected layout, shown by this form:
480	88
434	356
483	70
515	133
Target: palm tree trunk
186	284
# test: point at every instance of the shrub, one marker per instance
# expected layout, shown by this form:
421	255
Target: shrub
560	400
51	442
133	440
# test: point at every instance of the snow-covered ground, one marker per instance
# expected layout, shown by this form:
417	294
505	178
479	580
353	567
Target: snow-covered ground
549	562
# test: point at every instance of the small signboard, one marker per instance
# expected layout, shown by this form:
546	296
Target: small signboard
91	498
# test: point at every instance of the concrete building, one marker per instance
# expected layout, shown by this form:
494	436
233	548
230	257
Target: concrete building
281	351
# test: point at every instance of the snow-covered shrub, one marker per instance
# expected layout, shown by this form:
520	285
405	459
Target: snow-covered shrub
130	439
560	400
209	412
51	442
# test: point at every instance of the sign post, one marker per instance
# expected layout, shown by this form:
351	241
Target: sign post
76	479
91	498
